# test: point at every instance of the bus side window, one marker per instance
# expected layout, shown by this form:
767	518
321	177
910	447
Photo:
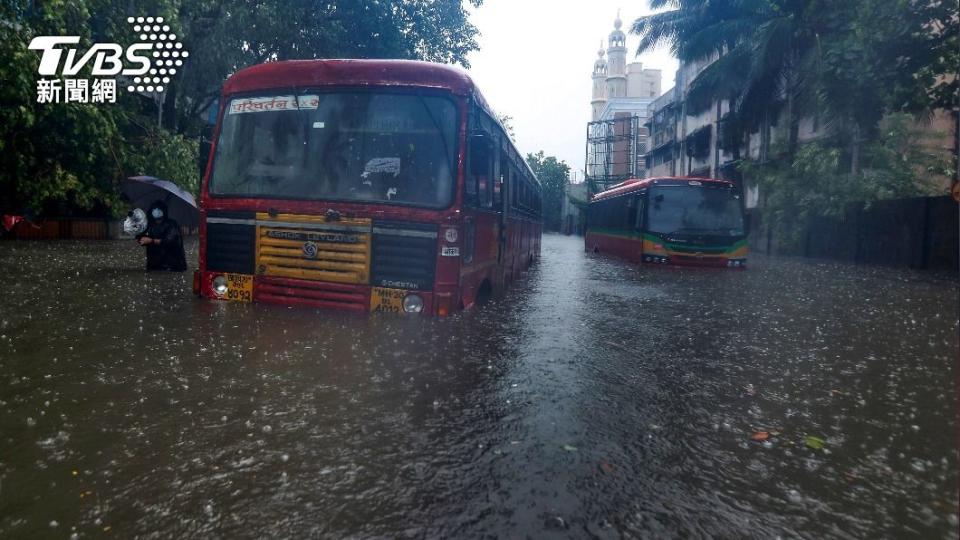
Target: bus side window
483	169
631	212
600	214
476	184
500	187
483	192
486	182
641	209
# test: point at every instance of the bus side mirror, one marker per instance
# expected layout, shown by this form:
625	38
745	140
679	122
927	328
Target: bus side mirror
480	150
203	157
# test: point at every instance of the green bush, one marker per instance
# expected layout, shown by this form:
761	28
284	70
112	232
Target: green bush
170	157
818	181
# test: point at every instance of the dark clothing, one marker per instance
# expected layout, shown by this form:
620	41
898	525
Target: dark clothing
168	254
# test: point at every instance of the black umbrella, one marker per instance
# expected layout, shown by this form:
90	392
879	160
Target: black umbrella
142	191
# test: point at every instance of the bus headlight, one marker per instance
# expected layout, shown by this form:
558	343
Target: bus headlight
220	285
412	303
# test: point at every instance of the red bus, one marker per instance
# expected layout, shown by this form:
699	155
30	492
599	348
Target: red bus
363	185
684	221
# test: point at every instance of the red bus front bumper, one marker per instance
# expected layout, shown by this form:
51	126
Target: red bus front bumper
358	298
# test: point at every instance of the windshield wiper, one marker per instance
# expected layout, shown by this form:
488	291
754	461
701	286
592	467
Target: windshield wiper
436	124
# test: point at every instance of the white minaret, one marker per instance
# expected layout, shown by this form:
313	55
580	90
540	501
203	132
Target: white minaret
617	65
599	84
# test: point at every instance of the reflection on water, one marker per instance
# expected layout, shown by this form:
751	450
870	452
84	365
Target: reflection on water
594	398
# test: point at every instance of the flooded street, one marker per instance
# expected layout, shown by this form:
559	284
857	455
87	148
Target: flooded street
794	399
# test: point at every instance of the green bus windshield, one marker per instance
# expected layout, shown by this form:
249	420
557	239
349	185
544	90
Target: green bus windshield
695	209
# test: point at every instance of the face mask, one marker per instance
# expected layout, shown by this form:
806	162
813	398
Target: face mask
156	213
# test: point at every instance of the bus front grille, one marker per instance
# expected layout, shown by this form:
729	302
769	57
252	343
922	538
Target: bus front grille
230	243
404	255
310	248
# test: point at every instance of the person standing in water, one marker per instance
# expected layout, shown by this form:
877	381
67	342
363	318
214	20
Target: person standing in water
163	241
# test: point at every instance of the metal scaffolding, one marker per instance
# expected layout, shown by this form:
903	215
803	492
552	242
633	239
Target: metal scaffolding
615	152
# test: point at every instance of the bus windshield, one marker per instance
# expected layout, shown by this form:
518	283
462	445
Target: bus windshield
353	146
695	209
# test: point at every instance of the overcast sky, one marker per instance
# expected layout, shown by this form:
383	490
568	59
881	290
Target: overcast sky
535	61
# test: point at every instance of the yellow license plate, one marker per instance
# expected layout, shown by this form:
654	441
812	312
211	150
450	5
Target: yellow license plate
239	287
384	300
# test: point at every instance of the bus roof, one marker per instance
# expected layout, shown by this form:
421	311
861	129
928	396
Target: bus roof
636	184
312	73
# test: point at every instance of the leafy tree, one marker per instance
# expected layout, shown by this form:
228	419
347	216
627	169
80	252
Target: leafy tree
169	156
883	56
817	183
857	66
76	153
227	35
850	62
71	153
554	176
762	48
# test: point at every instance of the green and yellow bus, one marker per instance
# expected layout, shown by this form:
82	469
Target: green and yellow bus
670	220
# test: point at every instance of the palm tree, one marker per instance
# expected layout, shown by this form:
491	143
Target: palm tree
764	52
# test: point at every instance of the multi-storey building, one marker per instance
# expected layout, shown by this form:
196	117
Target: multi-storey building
622	93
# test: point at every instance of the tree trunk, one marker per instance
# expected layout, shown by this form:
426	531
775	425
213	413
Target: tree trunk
170	106
793	123
744	144
765	136
855	150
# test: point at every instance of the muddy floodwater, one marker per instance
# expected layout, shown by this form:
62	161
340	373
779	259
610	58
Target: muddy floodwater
794	399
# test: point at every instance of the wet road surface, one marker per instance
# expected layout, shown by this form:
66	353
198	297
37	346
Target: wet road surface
594	399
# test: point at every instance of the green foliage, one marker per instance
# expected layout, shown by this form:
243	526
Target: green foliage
227	35
818	183
554	176
581	204
857	65
171	157
71	153
77	154
759	46
855	60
